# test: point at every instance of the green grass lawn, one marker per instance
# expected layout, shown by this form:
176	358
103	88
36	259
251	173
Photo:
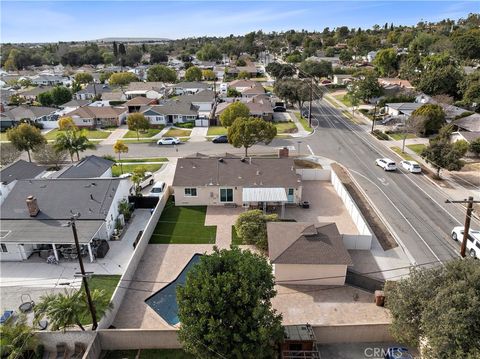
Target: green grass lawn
183	225
236	240
405	156
417	148
120	354
140	160
286	127
400	136
117	171
91	134
108	283
149	133
216	131
268	88
176	132
147	354
304	122
343	100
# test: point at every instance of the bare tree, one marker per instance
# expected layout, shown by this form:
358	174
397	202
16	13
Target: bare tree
47	155
8	154
413	125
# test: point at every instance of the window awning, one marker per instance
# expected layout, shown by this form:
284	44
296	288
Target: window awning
264	195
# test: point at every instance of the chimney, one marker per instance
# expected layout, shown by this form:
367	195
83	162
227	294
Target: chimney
283	152
32	206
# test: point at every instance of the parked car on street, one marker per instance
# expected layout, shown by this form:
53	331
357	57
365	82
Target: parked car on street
411	166
473	240
386	163
279	109
168	141
157	190
220	139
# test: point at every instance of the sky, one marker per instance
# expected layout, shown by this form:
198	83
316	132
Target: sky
52	21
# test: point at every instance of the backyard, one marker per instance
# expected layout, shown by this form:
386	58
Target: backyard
143	134
107	283
147	354
183	225
91	134
117	169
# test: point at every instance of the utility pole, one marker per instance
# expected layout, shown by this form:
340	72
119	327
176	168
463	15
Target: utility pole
468	217
91	306
310	104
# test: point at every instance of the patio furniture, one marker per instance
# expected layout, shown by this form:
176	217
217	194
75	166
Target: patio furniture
6	314
52	260
27	303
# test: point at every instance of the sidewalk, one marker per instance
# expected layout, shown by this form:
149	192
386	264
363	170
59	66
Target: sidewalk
300	130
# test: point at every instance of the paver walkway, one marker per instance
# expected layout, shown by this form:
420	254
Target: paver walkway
224	218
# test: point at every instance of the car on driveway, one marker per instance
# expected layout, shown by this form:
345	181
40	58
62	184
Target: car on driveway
168	141
386	163
157	190
220	139
411	166
473	240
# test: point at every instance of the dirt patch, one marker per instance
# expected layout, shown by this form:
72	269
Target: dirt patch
381	232
307	164
433	176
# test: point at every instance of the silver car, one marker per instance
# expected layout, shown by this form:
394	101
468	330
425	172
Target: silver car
411	166
386	163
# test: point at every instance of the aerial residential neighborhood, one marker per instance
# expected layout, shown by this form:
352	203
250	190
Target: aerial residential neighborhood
240	180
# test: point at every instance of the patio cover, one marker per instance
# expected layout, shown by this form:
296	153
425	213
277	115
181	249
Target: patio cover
264	195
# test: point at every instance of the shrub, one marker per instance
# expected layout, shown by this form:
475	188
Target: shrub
185	124
380	135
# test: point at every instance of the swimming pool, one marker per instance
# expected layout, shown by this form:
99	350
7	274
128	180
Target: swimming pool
164	302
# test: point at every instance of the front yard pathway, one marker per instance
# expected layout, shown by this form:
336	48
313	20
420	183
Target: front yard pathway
198	134
224	218
117	134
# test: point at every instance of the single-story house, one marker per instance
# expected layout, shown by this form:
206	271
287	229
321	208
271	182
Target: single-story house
465	136
51	80
32	94
93	117
203	99
235	70
47	116
342	79
18	170
402	108
89	167
469	123
75	103
259	106
153	90
226	181
307	253
5	95
243	85
114	96
170	112
137	102
91	91
36	213
387	81
189	87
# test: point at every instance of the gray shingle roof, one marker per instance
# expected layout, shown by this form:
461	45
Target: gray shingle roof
231	171
98	89
75	103
173	107
89	167
470	123
31	112
20	170
306	243
200	96
192	84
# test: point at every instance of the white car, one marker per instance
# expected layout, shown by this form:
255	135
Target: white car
147	180
168	141
473	240
157	190
411	166
386	163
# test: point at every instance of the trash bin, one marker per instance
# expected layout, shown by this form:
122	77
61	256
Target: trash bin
379	298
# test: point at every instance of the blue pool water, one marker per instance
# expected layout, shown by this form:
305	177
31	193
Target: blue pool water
164	302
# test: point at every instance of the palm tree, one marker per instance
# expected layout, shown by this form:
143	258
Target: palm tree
73	141
16	337
120	147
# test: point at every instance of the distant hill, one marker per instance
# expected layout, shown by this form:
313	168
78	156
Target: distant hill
132	39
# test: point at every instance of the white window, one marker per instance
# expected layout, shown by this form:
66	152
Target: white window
226	194
190	192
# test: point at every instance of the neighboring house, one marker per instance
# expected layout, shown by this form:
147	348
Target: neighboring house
153	90
242	85
402	108
464	136
233	71
307	253
91	91
89	167
188	87
94	117
140	72
50	80
47	116
469	123
114	96
32	94
36	212
386	81
75	104
18	170
259	106
136	103
170	112
248	182
342	79
5	95
203	99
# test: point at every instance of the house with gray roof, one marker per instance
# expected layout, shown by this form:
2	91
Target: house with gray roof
402	108
152	90
31	95
203	99
47	116
469	123
18	170
189	87
36	213
307	253
91	91
89	167
170	112
236	181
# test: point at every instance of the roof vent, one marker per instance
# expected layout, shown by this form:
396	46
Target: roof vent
220	160
243	159
258	173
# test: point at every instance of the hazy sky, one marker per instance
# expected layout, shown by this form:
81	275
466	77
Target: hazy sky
49	21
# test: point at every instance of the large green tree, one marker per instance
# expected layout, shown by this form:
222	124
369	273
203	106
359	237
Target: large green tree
467	44
161	73
25	137
440	306
251	227
16	338
209	52
225	307
83	78
246	132
441	154
232	112
122	78
385	62
434	118
193	74
137	122
60	95
366	87
73	141
316	69
45	98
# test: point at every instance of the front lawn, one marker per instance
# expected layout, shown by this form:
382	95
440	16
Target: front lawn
343	99
117	171
216	131
405	156
303	121
183	225
91	134
143	134
176	132
285	127
107	283
400	136
417	148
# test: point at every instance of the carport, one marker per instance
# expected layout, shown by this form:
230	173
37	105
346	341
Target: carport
261	197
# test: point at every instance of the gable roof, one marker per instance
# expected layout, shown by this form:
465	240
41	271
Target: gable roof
243	83
191	84
97	112
233	171
95	89
89	167
306	243
200	96
172	107
31	112
145	86
75	103
470	123
138	101
36	91
20	170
